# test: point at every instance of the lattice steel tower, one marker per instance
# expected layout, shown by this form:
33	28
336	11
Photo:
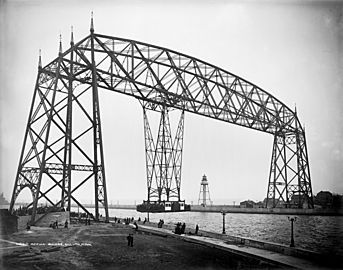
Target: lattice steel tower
57	148
163	157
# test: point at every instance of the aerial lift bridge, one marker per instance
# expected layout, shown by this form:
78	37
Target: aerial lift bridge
57	147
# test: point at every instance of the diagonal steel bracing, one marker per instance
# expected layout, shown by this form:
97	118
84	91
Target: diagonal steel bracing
289	180
161	79
163	158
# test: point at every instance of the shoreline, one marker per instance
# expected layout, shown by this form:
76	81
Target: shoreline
104	246
244	248
241	210
238	210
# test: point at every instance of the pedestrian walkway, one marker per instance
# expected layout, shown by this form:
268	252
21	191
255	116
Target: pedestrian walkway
242	250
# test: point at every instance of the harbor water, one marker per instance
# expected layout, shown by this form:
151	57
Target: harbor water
322	234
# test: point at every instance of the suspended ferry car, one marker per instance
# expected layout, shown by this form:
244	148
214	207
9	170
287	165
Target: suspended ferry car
163	206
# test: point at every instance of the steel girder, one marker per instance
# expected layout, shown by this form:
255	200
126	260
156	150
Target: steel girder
163	158
159	78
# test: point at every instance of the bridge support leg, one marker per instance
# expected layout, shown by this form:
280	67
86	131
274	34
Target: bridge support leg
163	158
46	164
289	178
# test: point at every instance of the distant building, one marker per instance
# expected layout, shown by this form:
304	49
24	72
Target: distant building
259	205
251	204
324	199
270	203
3	201
247	204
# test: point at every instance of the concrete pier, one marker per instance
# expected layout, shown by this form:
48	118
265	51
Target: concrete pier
276	254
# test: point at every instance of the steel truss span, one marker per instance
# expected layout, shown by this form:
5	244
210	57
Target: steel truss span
56	146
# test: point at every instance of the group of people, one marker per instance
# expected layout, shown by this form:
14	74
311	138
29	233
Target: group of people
125	220
128	220
54	224
180	229
88	221
116	220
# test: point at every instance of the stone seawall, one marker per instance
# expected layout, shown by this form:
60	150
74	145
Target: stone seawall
275	247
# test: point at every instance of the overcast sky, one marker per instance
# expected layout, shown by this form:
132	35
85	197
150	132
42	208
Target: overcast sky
292	49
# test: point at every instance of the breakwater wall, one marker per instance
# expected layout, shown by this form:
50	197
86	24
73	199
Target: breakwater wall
277	211
237	209
111	206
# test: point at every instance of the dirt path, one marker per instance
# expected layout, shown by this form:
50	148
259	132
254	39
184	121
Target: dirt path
104	246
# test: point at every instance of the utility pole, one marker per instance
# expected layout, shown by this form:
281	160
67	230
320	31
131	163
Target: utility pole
223	213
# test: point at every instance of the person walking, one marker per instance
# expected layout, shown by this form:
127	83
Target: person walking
129	240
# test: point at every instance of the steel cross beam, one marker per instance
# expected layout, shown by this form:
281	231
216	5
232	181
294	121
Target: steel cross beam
162	80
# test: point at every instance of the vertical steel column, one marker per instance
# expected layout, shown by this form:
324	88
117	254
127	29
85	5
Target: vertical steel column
161	143
70	118
164	148
306	171
177	154
98	168
67	160
160	162
150	153
271	183
284	156
42	166
299	163
304	183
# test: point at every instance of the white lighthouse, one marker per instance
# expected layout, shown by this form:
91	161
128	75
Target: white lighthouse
204	194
